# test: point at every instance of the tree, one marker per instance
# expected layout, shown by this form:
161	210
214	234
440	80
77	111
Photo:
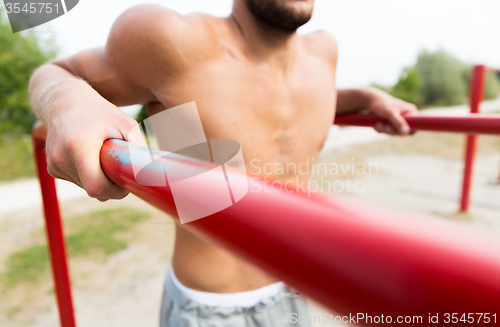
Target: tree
408	87
20	55
444	78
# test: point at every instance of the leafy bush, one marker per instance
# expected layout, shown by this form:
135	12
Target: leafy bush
439	79
492	87
409	87
444	78
20	55
16	157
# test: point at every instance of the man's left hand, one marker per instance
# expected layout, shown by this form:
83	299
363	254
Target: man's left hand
390	109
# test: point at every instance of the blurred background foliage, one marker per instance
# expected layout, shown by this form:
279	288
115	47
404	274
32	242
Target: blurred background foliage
438	79
20	55
142	114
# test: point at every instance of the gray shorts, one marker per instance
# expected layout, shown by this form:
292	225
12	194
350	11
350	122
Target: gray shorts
179	311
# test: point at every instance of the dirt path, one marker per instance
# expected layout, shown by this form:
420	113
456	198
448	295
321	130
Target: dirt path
123	290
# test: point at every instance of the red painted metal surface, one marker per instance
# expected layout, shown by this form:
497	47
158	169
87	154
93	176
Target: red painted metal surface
469	158
349	256
470	124
478	81
54	231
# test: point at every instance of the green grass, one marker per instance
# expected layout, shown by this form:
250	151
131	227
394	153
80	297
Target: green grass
16	157
95	232
26	265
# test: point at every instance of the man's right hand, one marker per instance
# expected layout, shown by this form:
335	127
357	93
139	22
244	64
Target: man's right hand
74	139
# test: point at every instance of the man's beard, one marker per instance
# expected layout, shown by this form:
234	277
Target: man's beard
278	14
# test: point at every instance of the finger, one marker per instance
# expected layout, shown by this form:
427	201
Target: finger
55	172
384	128
58	166
398	123
93	179
68	172
389	129
58	170
379	127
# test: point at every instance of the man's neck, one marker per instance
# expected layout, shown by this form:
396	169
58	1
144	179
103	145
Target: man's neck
261	42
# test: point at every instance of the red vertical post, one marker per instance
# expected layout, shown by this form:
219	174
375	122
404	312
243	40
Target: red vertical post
476	97
54	231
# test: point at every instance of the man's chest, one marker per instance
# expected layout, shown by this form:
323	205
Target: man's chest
231	97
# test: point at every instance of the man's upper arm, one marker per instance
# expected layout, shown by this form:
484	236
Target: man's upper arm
142	47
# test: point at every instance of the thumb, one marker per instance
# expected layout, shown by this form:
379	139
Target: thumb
133	134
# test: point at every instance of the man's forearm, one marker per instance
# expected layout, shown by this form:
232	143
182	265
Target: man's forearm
52	86
351	100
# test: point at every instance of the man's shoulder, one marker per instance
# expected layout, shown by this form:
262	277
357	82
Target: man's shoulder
322	44
155	29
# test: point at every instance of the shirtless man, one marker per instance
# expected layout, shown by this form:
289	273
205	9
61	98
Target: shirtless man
254	80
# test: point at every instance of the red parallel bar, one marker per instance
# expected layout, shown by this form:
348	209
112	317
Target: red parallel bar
352	257
478	81
54	231
469	124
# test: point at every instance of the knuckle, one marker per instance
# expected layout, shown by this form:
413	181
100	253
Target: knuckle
130	121
95	190
55	159
52	170
72	143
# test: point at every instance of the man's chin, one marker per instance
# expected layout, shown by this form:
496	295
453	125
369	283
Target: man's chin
285	16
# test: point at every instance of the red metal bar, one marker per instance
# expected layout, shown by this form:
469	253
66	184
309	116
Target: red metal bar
469	156
478	81
54	231
473	123
350	256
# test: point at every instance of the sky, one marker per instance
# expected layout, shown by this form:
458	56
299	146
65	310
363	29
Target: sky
376	38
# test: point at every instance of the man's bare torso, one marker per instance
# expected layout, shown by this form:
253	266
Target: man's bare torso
278	117
253	78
